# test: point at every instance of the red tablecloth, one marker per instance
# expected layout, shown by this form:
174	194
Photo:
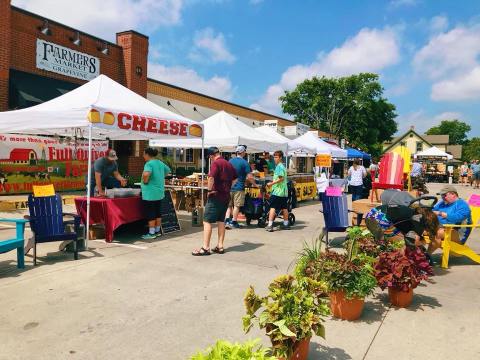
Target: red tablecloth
110	212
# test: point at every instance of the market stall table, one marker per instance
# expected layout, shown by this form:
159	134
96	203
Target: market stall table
110	212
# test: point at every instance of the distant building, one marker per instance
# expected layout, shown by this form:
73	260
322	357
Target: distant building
416	143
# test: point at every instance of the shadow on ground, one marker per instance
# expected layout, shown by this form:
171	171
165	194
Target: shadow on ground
244	246
328	353
420	302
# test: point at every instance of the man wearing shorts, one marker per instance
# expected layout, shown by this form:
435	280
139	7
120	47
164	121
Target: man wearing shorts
279	194
476	173
220	181
153	191
237	193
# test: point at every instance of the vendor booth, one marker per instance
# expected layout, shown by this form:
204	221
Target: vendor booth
100	109
435	164
225	132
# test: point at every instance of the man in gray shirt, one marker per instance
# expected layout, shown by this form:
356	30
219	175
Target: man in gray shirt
105	174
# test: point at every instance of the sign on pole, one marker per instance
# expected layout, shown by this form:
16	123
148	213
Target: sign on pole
323	160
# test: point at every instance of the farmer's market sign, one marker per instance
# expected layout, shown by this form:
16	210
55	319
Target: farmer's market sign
65	61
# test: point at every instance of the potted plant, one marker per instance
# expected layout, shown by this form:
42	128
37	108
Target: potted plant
361	241
250	350
291	313
349	277
401	271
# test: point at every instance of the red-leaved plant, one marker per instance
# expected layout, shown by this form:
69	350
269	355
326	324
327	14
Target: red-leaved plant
402	269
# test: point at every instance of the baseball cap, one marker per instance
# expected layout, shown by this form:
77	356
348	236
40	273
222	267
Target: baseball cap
112	155
212	150
240	149
447	189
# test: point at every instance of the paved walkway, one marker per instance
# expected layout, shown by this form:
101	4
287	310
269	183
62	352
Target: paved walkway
153	300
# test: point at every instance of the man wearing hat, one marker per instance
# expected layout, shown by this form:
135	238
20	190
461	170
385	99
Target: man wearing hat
450	210
237	193
105	174
220	180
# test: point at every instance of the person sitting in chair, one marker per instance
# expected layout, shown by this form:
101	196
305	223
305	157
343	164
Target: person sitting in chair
450	210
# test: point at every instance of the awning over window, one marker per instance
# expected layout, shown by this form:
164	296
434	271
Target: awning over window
27	90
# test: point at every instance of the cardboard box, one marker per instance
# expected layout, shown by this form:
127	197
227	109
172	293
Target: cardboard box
97	231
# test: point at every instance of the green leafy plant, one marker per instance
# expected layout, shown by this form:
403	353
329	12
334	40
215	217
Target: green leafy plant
309	254
293	310
351	272
353	276
361	241
223	350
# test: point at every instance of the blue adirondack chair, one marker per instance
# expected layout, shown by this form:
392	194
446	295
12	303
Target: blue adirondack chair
17	243
335	214
47	224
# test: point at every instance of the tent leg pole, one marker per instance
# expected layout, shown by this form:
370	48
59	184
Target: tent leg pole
89	181
203	169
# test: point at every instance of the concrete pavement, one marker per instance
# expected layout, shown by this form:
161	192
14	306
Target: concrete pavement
156	301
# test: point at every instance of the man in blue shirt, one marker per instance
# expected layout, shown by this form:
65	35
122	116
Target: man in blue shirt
450	210
237	192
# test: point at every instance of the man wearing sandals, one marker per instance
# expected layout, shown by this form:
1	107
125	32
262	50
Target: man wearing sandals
221	177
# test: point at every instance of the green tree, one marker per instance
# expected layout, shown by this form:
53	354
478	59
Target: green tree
349	107
471	150
457	131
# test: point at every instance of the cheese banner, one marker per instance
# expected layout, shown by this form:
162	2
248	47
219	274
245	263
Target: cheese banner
27	160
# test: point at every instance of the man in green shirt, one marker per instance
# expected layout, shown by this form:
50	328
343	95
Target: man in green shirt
153	191
279	194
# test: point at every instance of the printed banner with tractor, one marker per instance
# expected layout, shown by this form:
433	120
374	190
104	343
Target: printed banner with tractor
36	160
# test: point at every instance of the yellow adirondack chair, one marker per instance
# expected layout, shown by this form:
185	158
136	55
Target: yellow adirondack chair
406	154
450	246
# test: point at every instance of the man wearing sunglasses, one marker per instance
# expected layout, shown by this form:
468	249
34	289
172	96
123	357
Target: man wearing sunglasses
450	210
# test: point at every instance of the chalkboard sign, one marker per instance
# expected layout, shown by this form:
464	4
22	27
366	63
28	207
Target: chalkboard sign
169	215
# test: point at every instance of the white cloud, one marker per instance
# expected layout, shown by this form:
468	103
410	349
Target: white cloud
107	17
448	115
463	87
422	121
216	86
399	3
451	59
448	53
210	46
438	24
369	50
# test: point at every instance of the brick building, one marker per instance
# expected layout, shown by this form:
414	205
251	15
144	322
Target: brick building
25	80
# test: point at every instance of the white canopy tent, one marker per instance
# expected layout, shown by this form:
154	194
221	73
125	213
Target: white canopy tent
101	108
272	133
309	144
226	132
434	152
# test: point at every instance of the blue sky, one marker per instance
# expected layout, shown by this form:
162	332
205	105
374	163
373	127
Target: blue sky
249	51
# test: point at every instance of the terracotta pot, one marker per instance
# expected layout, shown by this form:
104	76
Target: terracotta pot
400	298
345	309
301	350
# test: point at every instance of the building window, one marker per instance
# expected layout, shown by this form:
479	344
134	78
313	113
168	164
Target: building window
403	143
419	146
302	164
189	155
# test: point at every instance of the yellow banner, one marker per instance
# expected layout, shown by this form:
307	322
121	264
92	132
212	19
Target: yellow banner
323	160
304	191
43	190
